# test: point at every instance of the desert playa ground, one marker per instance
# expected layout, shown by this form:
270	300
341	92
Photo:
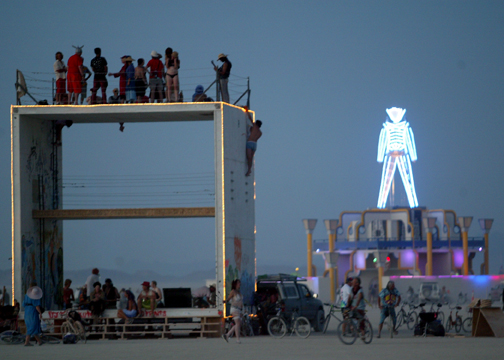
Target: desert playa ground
317	346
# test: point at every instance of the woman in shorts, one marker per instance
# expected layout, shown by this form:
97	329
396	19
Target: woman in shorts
131	310
236	300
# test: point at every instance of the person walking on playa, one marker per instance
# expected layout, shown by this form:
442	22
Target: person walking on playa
236	300
33	313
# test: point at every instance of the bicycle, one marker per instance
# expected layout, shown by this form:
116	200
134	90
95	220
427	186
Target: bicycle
409	318
73	325
278	325
332	310
15	338
439	313
11	337
467	323
390	322
457	323
353	326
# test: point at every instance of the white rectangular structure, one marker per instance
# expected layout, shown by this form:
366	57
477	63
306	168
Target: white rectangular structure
36	161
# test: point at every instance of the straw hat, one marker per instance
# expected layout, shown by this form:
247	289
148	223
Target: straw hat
154	54
129	58
34	293
221	56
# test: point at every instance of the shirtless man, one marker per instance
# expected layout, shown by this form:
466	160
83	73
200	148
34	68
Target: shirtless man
255	134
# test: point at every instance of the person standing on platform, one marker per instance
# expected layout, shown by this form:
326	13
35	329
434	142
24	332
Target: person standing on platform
85	71
100	69
68	295
122	79
155	68
94	277
147	299
33	313
60	70
224	71
130	80
140	80
172	64
74	75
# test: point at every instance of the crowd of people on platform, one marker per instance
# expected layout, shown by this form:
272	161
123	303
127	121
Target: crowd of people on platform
163	82
97	298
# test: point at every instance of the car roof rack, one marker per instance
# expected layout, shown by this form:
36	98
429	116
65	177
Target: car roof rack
278	277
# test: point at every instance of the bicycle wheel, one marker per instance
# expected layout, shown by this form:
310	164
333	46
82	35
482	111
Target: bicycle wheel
448	325
12	339
347	332
302	327
326	323
412	320
277	327
81	332
458	324
368	332
46	339
401	318
467	324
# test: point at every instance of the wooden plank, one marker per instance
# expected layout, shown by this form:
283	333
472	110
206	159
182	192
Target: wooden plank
140	213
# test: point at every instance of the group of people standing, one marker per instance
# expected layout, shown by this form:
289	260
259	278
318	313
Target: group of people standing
133	81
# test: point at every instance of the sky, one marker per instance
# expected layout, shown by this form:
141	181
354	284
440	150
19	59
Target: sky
322	74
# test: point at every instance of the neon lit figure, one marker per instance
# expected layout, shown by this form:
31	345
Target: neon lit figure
397	148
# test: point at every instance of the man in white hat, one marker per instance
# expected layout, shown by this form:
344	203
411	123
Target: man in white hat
155	68
224	71
74	75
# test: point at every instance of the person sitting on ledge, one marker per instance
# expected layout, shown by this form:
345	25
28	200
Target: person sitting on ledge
131	310
146	299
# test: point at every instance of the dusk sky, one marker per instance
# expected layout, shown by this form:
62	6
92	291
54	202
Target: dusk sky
322	74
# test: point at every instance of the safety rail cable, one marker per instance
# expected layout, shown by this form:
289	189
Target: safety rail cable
138	190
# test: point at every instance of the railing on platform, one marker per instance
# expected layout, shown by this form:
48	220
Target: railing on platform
41	86
381	244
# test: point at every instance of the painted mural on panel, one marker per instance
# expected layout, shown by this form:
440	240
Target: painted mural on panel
42	243
241	267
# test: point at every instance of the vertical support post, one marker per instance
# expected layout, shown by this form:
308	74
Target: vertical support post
465	223
428	267
465	247
309	251
486	225
248	92
331	226
331	269
380	275
429	223
487	265
309	225
217	86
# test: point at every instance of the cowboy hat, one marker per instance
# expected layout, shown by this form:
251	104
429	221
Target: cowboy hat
221	56
146	283
155	54
129	58
34	293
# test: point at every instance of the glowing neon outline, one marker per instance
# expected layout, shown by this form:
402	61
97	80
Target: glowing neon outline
396	149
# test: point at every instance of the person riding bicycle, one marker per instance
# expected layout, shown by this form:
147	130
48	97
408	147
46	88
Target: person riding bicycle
346	294
388	299
358	305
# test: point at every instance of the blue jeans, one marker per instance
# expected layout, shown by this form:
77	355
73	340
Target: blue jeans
388	311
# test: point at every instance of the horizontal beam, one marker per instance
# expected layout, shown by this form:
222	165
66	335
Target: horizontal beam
82	214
